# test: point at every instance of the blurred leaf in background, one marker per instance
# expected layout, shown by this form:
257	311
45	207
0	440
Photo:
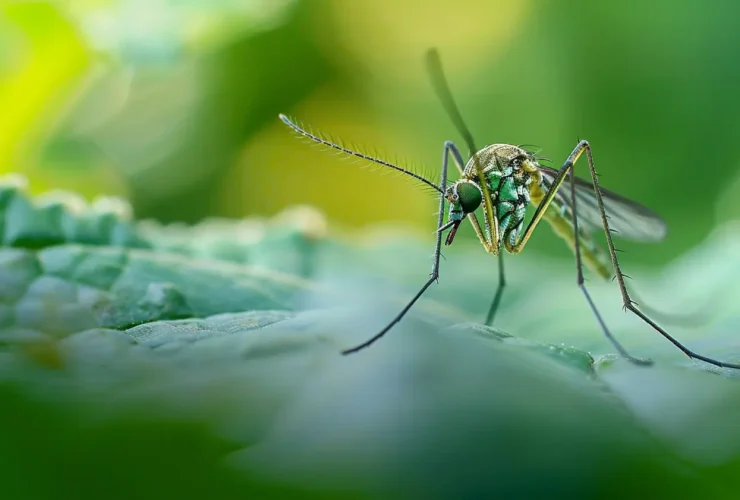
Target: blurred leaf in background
649	86
174	104
140	359
162	102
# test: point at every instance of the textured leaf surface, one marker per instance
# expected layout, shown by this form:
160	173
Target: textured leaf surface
200	368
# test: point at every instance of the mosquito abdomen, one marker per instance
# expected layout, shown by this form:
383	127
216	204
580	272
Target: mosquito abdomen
593	257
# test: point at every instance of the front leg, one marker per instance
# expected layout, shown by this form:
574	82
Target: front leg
434	275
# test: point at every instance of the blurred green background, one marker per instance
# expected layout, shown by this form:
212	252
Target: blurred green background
174	104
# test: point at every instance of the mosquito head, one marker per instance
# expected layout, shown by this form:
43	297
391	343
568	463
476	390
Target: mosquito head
465	196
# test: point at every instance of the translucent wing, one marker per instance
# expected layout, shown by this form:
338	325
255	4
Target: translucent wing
629	219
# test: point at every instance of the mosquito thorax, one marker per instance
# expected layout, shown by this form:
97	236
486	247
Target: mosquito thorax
501	157
509	172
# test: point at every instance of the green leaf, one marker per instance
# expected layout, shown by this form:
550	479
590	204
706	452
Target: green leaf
162	364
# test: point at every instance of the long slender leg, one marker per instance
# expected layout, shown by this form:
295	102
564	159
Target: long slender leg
490	248
499	291
569	164
434	275
490	240
489	245
567	169
627	301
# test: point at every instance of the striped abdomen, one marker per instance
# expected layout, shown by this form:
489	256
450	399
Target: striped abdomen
561	221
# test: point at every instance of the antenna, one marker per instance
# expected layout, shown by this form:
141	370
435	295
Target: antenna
439	82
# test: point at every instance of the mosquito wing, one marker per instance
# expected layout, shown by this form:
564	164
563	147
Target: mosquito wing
629	219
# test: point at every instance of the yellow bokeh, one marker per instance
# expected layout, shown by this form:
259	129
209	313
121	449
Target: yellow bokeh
388	37
277	169
51	62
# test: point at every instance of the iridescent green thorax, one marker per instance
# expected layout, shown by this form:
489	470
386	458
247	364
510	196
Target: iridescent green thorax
509	172
511	197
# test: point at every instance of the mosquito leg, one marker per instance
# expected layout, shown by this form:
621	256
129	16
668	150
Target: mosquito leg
627	301
499	291
569	163
434	275
490	240
501	276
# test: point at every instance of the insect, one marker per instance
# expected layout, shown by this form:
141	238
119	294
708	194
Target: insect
503	180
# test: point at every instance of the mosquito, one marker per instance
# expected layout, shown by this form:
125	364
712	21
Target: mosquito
503	180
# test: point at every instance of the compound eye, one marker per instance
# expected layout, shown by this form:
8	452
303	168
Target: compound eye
470	197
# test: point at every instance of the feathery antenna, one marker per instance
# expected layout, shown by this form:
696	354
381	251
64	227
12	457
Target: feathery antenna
331	144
